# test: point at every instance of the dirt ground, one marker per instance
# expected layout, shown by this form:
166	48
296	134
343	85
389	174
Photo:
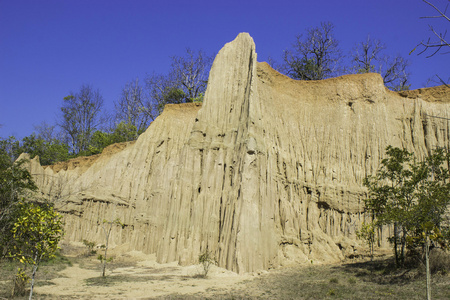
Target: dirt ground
134	275
131	275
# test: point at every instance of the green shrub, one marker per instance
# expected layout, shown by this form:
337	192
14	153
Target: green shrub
90	247
206	259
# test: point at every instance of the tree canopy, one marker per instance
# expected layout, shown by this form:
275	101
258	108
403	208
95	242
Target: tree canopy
314	56
410	195
15	183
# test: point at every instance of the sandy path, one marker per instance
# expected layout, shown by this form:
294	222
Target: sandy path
143	279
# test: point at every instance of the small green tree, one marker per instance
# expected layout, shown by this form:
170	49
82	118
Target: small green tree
107	227
390	198
433	198
90	247
36	232
413	197
15	182
206	259
367	233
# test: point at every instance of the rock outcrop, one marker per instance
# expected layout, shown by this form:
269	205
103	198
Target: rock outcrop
267	171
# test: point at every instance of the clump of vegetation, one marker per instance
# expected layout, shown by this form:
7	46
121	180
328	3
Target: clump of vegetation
207	260
20	281
36	233
90	247
331	292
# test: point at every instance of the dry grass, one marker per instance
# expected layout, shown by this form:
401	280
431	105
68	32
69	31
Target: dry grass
47	271
354	280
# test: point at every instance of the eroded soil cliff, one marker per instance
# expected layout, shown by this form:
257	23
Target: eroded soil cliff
268	171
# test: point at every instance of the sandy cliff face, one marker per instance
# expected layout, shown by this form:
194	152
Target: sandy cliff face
269	170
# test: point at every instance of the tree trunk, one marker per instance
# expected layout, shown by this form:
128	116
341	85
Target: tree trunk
395	245
104	261
106	251
371	250
427	261
32	280
403	244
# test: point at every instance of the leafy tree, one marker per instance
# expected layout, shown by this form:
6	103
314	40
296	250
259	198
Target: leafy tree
99	141
15	182
36	233
10	147
367	58
410	195
315	56
125	132
432	190
48	152
80	117
390	197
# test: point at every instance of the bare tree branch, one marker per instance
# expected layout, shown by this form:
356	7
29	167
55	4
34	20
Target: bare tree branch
132	107
80	116
366	58
441	41
441	14
186	81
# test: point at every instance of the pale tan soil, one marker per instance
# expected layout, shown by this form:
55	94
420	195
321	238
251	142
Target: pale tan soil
135	275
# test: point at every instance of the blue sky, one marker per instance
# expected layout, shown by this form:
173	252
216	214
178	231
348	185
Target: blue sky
49	48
